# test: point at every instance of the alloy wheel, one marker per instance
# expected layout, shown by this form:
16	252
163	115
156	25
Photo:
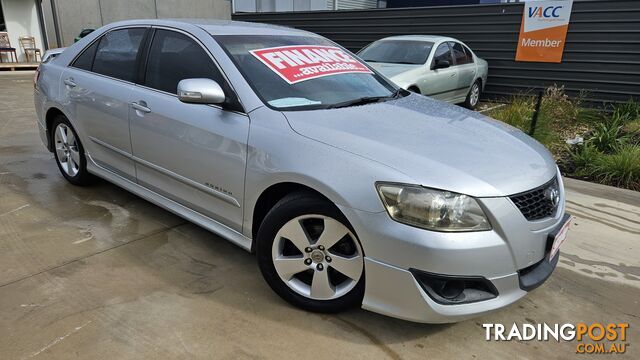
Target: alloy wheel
317	257
67	152
475	94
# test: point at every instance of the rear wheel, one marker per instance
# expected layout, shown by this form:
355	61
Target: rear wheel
309	255
473	97
69	152
414	89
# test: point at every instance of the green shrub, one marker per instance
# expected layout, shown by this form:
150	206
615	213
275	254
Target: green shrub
628	111
590	116
583	157
607	136
632	127
621	169
557	107
516	113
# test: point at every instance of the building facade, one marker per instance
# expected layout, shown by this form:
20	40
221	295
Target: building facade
253	6
56	23
20	18
257	6
421	3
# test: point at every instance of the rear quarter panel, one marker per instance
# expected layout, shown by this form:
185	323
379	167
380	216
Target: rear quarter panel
483	71
47	94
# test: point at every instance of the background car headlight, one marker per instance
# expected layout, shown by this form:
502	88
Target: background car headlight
432	209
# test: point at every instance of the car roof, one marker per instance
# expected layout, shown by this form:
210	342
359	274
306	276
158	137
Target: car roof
220	27
431	38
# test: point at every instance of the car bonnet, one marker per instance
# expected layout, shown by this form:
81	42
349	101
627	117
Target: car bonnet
439	145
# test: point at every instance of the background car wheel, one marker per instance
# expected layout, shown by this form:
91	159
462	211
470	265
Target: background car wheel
473	97
414	89
69	152
310	256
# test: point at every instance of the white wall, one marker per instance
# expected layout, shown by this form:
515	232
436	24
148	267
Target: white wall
21	18
75	15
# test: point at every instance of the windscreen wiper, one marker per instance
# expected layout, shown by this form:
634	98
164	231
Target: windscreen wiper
400	92
367	100
359	101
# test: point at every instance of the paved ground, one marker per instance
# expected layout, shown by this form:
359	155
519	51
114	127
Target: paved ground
97	272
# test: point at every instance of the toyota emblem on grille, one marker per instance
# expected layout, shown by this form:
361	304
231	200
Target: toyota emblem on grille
553	195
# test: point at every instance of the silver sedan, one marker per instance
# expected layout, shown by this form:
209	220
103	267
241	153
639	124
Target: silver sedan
350	190
441	67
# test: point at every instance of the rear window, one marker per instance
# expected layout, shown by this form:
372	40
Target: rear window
117	53
397	52
443	53
459	54
469	53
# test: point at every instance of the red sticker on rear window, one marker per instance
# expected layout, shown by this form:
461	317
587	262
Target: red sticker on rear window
304	62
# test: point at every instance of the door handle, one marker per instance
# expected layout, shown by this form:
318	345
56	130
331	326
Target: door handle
453	75
140	107
69	82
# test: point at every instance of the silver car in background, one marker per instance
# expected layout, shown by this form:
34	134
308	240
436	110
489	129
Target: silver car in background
350	190
437	66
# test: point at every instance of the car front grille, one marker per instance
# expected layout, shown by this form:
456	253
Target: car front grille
540	202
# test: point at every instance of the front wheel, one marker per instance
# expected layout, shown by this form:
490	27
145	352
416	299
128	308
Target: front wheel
473	97
310	256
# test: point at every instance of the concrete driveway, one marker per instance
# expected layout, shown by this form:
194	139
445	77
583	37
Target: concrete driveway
97	272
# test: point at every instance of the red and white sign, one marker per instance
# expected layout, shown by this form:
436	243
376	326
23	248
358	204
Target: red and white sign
304	62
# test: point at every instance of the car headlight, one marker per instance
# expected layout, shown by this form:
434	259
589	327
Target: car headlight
432	209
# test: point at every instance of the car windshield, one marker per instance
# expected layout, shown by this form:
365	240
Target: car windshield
397	52
304	72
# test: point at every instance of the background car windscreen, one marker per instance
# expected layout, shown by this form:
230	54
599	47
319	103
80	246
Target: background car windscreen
316	93
397	52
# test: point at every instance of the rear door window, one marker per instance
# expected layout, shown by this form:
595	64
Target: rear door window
443	53
85	60
117	53
459	54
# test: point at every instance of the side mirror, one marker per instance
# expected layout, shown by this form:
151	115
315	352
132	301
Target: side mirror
441	64
200	91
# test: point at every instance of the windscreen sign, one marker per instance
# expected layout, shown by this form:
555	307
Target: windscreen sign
543	31
304	62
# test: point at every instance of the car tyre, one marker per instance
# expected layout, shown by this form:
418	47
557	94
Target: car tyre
69	152
309	254
473	97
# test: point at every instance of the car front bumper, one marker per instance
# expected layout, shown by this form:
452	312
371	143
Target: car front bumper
513	251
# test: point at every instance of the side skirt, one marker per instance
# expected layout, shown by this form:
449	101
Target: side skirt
170	205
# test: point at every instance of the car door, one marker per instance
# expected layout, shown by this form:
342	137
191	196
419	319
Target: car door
466	69
442	83
96	88
194	154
